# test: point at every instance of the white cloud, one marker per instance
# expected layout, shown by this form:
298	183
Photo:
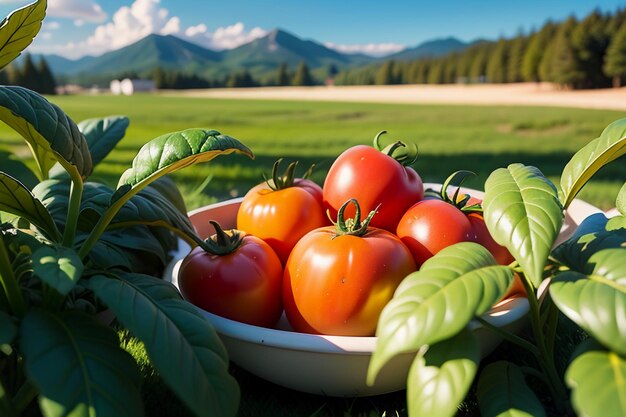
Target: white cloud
84	10
51	25
372	49
227	37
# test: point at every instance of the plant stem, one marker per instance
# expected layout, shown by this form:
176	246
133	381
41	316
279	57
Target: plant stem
9	283
73	210
509	336
546	362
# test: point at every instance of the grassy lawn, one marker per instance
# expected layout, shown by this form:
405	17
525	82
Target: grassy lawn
449	137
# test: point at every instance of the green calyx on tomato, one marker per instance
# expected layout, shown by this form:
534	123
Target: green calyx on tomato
404	153
280	182
222	242
462	203
352	226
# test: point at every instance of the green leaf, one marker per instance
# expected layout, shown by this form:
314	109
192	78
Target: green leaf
102	134
598	382
14	166
439	380
176	150
586	162
18	29
523	213
78	367
16	199
503	392
181	343
616	223
620	202
57	266
50	133
8	330
436	302
596	299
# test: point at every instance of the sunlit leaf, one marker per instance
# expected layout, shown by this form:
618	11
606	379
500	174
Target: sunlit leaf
18	29
438	301
523	213
102	134
586	162
57	266
596	298
439	380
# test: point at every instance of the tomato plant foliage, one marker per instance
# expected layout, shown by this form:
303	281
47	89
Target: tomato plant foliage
71	248
584	278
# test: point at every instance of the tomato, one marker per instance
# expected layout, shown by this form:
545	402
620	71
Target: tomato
481	235
337	282
432	225
374	179
241	282
282	210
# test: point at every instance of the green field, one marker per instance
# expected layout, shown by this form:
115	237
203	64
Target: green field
449	137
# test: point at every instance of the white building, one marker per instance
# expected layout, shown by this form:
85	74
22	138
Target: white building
129	87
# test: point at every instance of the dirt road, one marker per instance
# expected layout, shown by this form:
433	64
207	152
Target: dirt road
528	94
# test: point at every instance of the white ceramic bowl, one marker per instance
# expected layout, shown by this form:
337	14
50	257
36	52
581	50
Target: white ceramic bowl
334	365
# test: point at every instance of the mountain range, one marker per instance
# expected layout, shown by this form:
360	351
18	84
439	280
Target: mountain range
261	57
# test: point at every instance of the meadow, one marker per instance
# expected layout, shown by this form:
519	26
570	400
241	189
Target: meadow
450	137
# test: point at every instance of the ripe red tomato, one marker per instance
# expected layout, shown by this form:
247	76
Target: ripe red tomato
338	284
373	178
281	214
244	285
431	225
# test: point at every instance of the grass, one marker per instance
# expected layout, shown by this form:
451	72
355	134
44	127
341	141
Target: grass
450	138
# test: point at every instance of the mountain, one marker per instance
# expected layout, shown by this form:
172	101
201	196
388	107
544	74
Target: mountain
429	49
261	58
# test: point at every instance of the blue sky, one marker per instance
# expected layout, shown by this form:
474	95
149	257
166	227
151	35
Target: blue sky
77	27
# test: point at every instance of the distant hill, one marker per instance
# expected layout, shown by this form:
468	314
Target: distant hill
430	49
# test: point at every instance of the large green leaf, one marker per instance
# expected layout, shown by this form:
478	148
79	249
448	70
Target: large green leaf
590	237
181	344
596	299
597	379
16	199
18	29
176	150
586	162
78	367
50	133
439	380
620	202
523	213
502	392
438	301
102	134
57	266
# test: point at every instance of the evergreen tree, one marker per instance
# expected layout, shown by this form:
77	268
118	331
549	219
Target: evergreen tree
282	77
47	82
615	65
29	76
537	48
302	76
478	68
159	78
435	74
384	75
497	63
590	39
516	48
565	67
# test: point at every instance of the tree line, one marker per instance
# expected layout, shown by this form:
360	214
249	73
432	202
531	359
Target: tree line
36	77
587	53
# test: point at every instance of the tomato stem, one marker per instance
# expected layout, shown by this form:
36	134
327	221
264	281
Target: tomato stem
405	154
280	182
353	226
222	242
